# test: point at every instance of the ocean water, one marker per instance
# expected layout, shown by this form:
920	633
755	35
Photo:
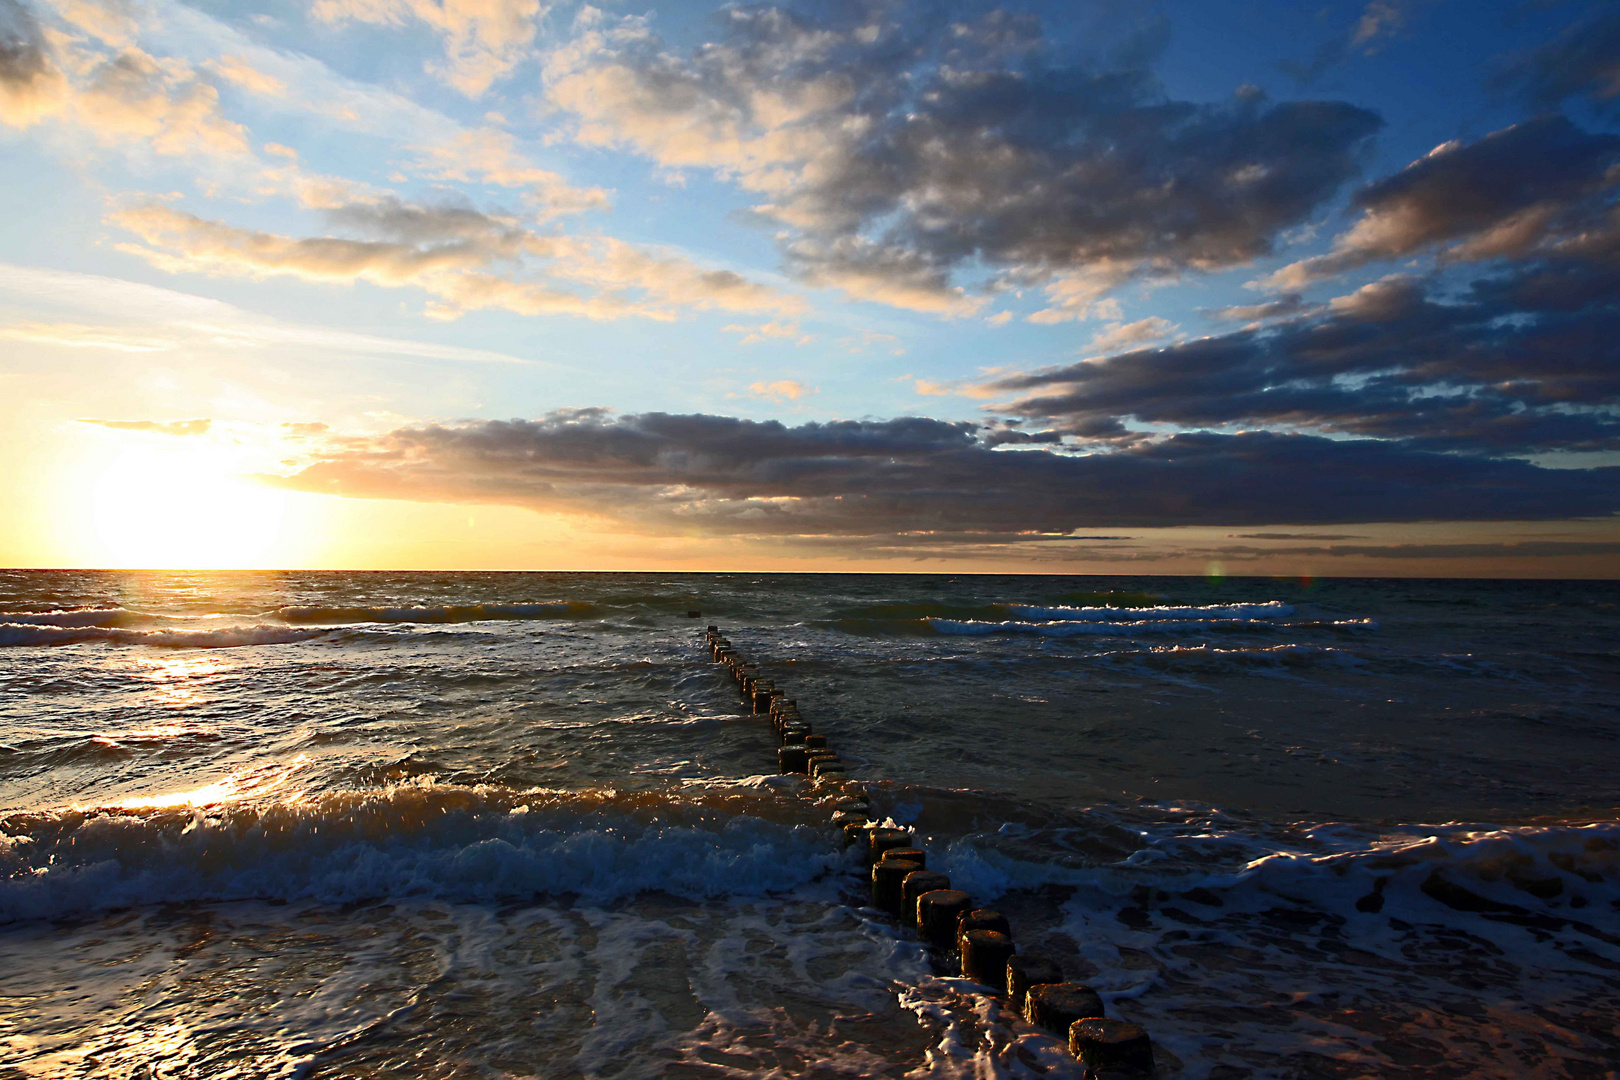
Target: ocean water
518	825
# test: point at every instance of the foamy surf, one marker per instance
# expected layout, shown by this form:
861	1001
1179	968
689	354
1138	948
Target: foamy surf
1098	628
1270	609
516	824
454	844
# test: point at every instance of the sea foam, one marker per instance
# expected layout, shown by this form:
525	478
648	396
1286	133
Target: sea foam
437	841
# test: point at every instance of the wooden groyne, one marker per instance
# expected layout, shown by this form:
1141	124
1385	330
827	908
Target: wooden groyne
979	939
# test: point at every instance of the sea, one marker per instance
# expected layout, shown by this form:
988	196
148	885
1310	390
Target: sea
488	825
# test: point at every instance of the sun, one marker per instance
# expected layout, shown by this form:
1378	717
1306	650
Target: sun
160	507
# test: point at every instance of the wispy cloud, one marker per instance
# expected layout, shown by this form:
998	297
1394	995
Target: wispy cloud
483	39
460	257
134	318
780	390
157	427
775	330
80	336
1122	335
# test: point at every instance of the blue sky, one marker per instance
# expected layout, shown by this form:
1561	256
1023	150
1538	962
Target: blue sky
1003	276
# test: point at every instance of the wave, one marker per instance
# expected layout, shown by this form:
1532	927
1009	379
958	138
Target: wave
463	844
912	613
126	626
1291	654
448	613
21	634
77	617
1506	871
1515	873
1270	609
1072	629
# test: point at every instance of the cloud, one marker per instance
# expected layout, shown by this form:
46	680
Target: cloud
947	387
157	427
1506	194
1379	21
134	97
483	39
1512	549
868	340
1520	363
490	155
776	329
113	22
913	476
135	317
1118	335
466	259
238	70
1299	536
1583	61
79	336
1282	307
31	85
781	390
902	152
129	97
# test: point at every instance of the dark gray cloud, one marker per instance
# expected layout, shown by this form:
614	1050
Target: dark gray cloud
1517	192
1512	549
29	79
1582	62
1527	360
23	54
905	149
913	476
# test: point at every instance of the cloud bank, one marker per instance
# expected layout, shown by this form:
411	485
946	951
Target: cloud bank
712	475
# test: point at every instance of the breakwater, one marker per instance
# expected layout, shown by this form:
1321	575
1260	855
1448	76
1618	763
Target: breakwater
978	941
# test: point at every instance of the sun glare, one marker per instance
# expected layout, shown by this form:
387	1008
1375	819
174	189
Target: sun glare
183	509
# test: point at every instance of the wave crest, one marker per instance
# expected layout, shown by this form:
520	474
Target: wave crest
454	843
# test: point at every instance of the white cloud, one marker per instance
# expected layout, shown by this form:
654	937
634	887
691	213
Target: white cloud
780	390
462	258
1123	335
483	39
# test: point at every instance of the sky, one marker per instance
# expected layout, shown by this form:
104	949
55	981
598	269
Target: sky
1222	287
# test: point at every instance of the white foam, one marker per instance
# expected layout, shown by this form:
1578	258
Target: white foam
411	840
69	617
1270	609
978	628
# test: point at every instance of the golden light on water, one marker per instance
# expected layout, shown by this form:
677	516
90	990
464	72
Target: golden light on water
236	787
178	679
163	507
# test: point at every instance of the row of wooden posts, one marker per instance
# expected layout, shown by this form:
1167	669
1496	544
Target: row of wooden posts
903	886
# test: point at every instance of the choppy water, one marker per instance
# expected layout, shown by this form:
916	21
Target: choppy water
367	825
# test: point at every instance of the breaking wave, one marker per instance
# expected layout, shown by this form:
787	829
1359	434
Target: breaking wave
1073	629
464	844
1270	609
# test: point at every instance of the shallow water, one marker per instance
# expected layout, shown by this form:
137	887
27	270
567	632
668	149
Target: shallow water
516	824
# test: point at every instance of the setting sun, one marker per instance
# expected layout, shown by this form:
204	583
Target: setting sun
164	507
